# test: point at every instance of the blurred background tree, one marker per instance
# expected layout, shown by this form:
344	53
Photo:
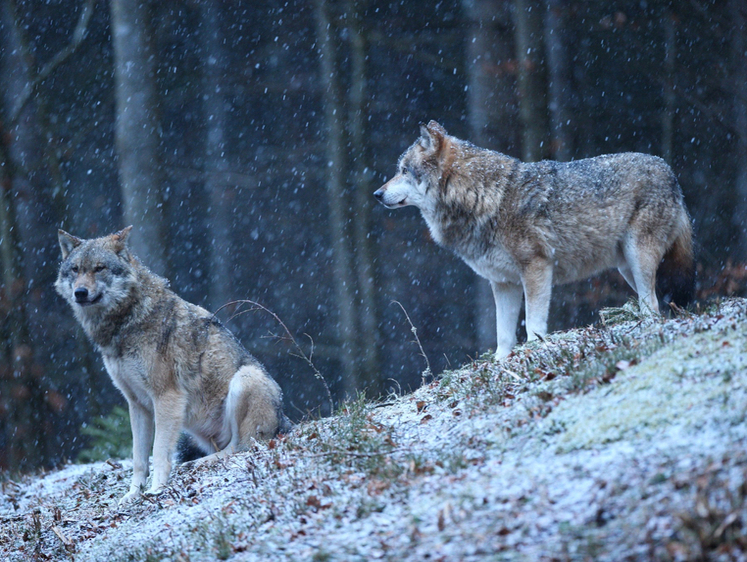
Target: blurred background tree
243	141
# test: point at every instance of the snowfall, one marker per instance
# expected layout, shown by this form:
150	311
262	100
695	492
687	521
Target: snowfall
620	441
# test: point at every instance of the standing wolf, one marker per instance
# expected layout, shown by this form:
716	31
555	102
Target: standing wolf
176	365
525	226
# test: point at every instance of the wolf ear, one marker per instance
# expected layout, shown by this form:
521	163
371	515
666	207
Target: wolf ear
120	239
432	136
68	242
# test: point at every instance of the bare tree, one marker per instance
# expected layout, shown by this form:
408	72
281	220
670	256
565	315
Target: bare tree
23	435
216	166
335	158
363	251
739	93
26	214
137	131
491	101
670	98
559	80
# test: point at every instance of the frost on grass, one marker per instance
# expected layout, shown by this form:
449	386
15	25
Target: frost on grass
624	442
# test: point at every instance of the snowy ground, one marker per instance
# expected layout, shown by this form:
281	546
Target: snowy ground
620	443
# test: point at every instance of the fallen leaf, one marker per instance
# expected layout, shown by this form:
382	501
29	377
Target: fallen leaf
313	501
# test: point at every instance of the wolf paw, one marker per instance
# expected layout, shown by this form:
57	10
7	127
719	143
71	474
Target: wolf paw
501	352
207	461
155	491
128	498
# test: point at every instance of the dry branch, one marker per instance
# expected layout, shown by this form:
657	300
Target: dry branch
79	33
289	338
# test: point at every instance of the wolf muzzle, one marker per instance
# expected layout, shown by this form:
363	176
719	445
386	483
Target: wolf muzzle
83	297
380	195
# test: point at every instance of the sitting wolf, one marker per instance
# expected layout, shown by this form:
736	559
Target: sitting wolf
528	226
176	365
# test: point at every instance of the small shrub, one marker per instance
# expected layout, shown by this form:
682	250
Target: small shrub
356	440
629	312
109	436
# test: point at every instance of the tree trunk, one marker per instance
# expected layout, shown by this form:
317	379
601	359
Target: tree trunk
216	166
368	333
342	268
490	100
560	86
26	217
739	66
137	131
670	99
532	87
20	394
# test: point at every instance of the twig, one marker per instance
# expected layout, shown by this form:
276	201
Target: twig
341	452
679	311
114	464
289	337
353	454
514	375
69	545
414	331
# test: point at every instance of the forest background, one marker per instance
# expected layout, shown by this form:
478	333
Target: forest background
243	140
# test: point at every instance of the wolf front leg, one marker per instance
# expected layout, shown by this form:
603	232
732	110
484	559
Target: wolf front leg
169	414
507	307
141	422
537	280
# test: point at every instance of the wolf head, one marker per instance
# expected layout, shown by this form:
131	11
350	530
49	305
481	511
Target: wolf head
419	169
96	274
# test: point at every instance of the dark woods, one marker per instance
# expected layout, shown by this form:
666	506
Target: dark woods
244	139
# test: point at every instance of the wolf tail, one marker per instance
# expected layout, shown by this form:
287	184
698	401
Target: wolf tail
675	278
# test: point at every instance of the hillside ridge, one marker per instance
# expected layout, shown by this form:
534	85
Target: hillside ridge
624	441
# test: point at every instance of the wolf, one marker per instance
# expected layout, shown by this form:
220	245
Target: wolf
176	365
528	226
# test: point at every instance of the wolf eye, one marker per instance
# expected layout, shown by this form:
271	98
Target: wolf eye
74	269
405	171
99	268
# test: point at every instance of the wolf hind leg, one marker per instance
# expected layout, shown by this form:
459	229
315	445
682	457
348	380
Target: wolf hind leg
252	411
253	407
537	281
507	307
642	261
628	276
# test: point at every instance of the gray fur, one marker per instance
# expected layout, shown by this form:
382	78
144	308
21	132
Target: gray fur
528	226
176	365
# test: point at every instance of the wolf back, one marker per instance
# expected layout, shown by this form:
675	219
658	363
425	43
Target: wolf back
176	365
528	226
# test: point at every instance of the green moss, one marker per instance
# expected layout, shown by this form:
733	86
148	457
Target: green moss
659	392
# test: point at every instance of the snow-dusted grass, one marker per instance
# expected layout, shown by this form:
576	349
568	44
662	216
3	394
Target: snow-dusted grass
625	442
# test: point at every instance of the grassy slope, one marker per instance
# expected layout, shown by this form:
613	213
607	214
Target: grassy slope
625	442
